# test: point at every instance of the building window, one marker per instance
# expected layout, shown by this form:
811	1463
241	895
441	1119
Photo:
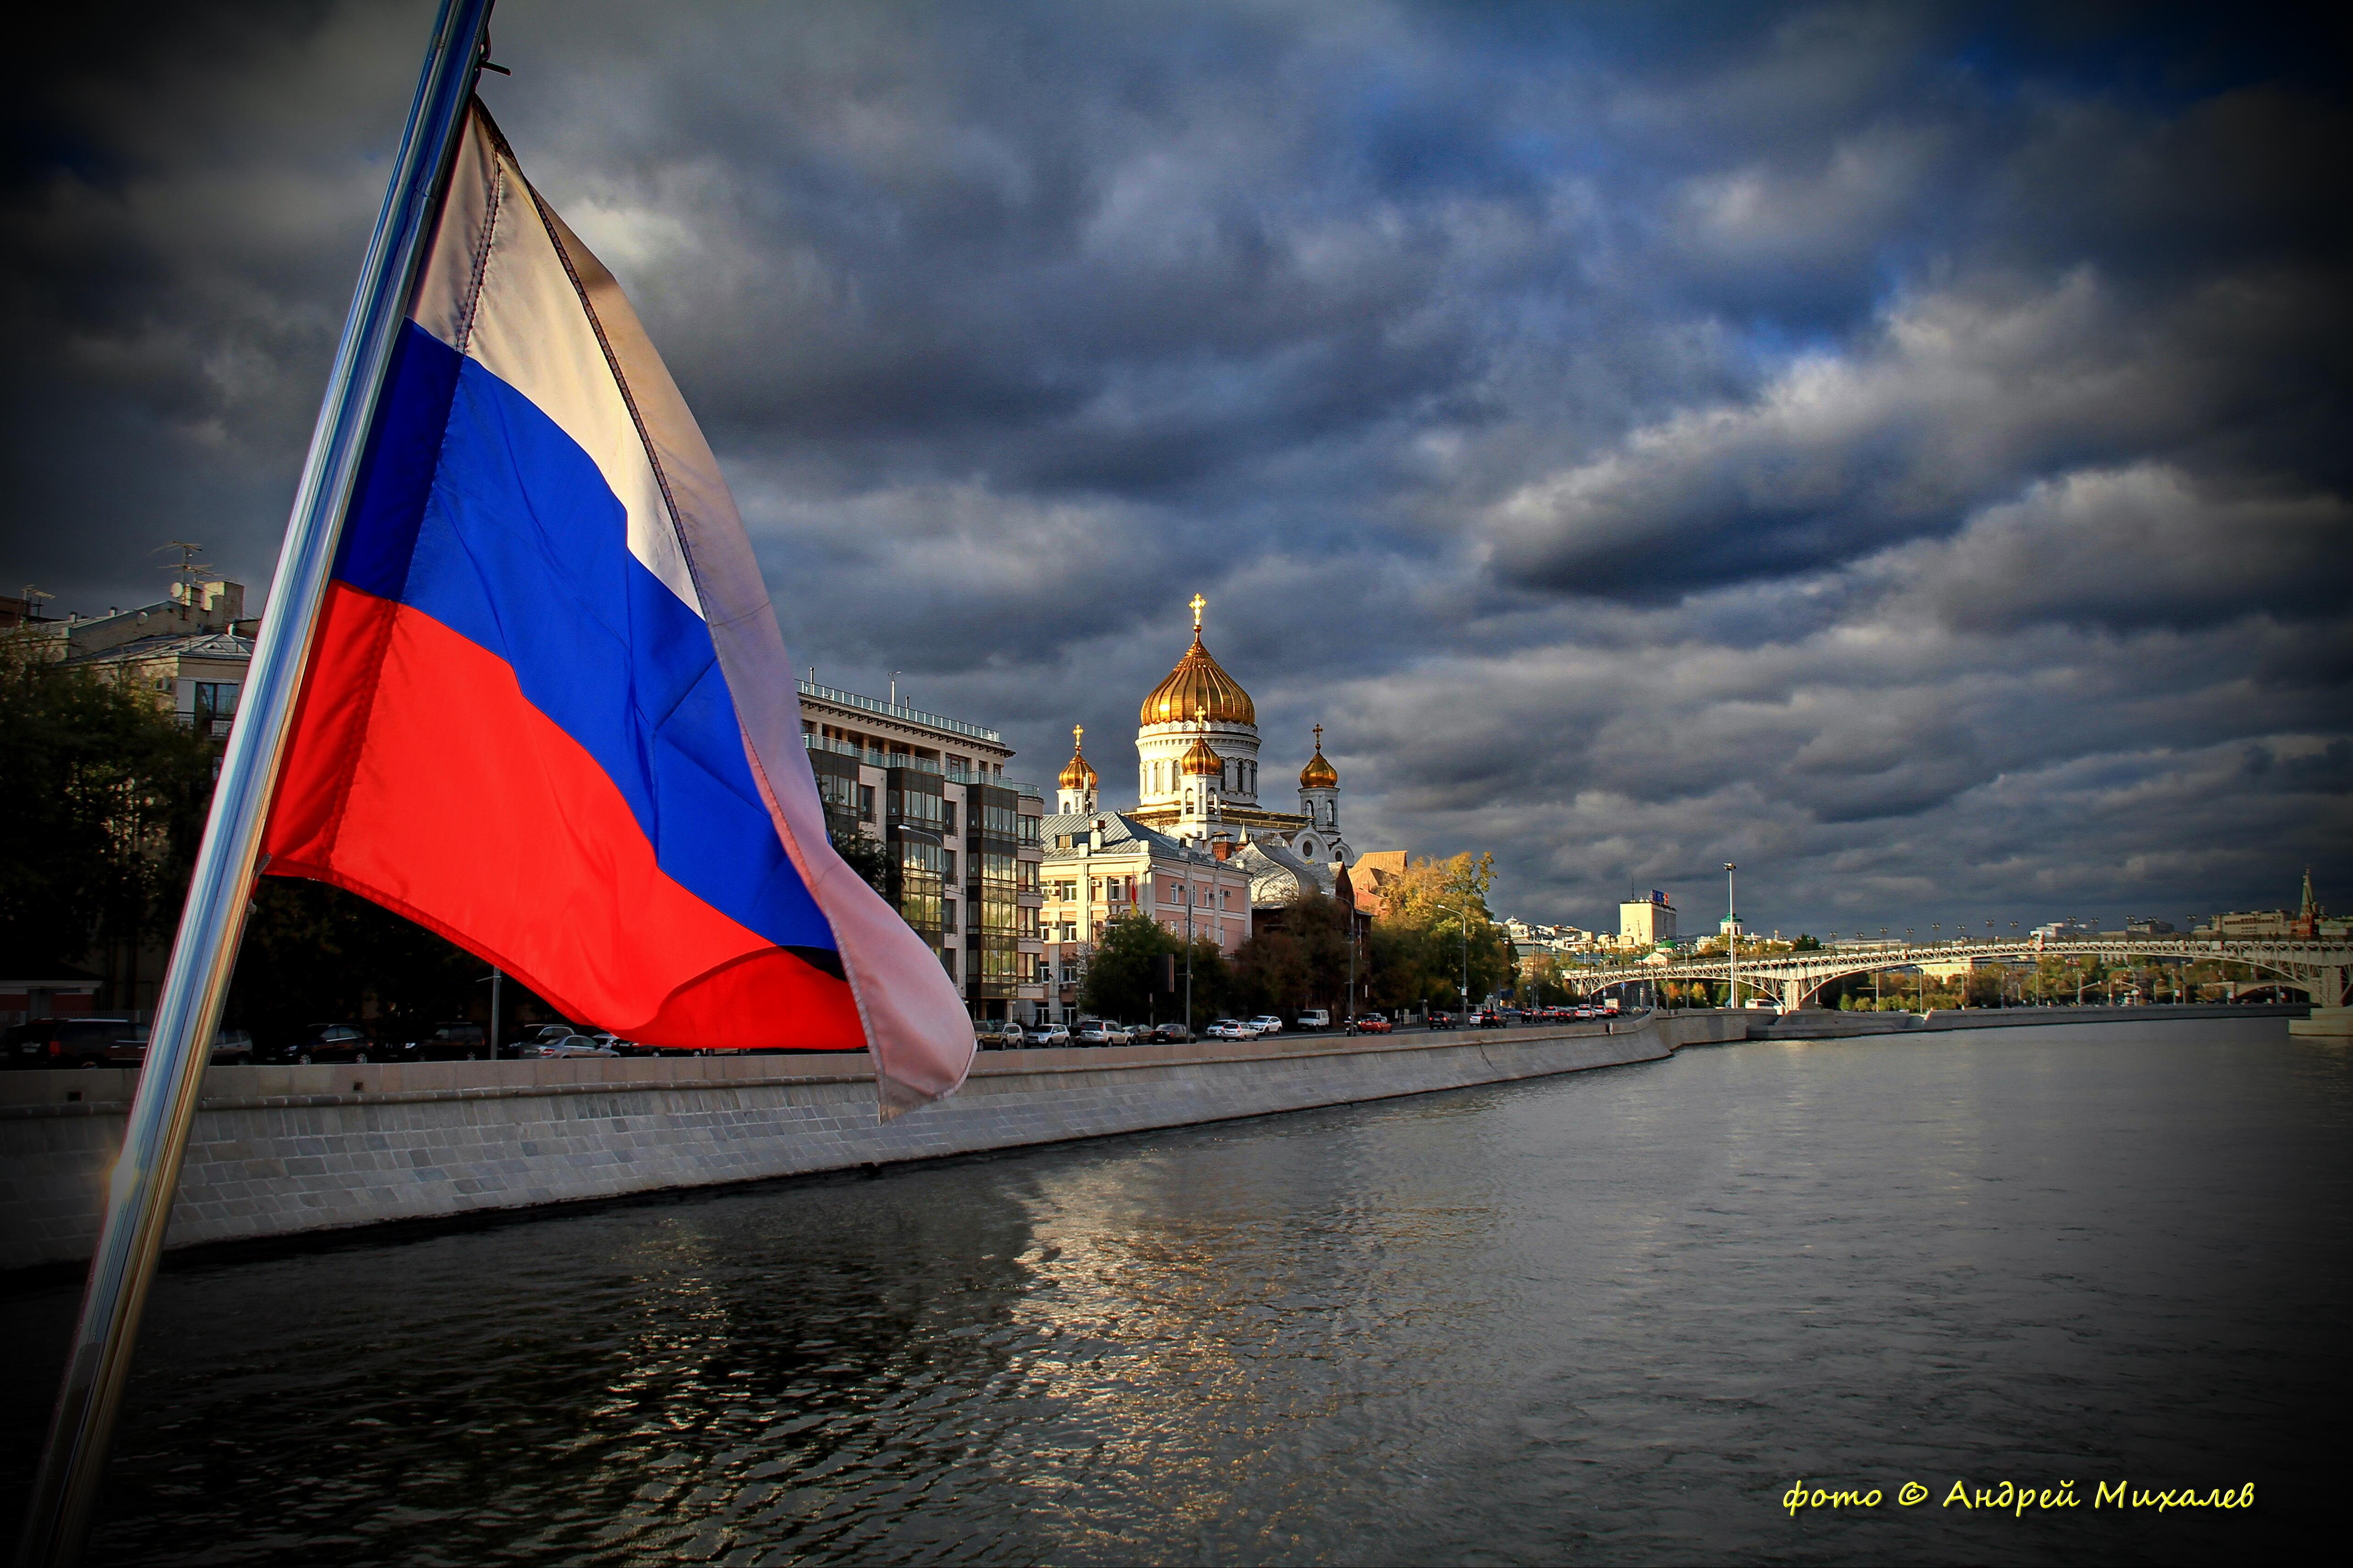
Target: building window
947	821
920	884
215	699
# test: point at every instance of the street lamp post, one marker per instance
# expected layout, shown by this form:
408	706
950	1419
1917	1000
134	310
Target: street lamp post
1731	938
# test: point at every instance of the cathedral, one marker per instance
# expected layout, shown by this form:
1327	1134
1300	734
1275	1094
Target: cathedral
1197	747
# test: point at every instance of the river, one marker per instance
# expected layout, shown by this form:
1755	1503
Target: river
1609	1316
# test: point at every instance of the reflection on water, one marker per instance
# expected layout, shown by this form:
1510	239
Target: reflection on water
1611	1316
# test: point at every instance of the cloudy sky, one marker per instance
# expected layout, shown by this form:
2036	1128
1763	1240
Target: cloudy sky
1900	449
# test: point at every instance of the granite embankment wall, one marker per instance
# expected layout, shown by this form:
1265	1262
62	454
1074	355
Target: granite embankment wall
279	1151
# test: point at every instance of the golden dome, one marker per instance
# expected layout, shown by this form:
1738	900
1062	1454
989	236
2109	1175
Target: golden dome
1200	762
1198	686
1077	774
1318	773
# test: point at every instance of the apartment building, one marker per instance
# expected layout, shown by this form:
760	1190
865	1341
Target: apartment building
963	841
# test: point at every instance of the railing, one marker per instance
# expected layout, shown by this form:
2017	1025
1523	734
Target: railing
895	711
216	725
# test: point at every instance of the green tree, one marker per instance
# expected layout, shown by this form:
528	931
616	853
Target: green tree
864	854
1437	924
1123	979
107	795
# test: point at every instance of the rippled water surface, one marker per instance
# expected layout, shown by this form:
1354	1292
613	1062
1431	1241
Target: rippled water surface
1608	1316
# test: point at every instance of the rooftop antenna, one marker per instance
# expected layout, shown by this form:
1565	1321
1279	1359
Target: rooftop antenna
184	572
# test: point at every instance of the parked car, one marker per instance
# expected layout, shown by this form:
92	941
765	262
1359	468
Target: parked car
330	1043
1090	1032
1761	1005
74	1043
1314	1018
1046	1034
1231	1029
1441	1019
1368	1023
1267	1024
998	1034
1120	1033
559	1040
1171	1033
457	1042
232	1047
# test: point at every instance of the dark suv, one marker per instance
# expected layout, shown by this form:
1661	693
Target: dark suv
330	1042
459	1042
76	1043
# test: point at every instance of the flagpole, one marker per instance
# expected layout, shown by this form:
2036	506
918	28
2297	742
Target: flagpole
204	955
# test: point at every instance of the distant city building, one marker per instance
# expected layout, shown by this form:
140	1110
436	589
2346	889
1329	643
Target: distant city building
2308	921
1375	877
964	842
2147	925
1645	922
187	654
2069	929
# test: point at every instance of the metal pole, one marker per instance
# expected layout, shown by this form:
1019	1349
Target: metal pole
495	977
204	955
1731	938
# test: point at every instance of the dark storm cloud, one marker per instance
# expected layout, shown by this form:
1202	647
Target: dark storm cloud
1898	448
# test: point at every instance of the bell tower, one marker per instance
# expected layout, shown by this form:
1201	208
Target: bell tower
1075	787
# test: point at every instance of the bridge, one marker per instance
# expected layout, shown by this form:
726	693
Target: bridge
2317	968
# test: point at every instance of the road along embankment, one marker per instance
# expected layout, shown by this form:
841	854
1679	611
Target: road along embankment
1827	1024
281	1151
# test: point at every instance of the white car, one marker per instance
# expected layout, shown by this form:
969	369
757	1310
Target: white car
1315	1019
1047	1035
558	1041
1267	1024
1231	1029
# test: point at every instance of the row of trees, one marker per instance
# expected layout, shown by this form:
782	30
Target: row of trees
1434	933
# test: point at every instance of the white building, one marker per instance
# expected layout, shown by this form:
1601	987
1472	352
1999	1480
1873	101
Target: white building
1646	922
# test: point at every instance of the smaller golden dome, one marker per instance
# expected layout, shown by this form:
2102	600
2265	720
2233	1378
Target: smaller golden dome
1318	773
1077	774
1200	762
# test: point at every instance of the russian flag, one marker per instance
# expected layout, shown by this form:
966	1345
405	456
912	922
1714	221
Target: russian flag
548	713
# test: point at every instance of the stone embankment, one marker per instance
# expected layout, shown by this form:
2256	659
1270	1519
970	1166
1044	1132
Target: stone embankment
281	1151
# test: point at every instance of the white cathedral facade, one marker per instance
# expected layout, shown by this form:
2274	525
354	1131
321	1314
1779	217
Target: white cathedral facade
1196	749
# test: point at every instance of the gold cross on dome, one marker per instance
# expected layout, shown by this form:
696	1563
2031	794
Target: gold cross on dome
1199	604
1319	736
1078	734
